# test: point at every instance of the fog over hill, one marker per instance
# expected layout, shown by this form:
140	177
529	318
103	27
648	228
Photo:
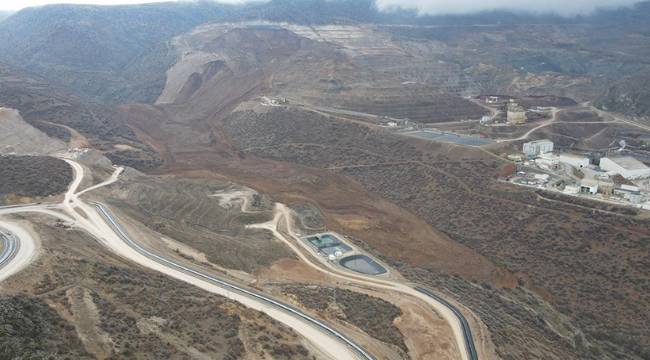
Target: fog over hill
4	15
564	8
431	7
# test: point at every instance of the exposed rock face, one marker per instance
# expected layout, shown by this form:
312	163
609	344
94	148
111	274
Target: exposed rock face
360	68
17	136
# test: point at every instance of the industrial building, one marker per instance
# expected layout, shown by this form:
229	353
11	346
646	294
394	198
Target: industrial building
626	166
589	186
574	160
538	147
547	161
515	113
606	187
629	193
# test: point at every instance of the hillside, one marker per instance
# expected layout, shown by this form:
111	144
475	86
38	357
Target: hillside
629	96
321	147
55	112
119	54
81	302
306	103
4	15
17	136
32	176
113	53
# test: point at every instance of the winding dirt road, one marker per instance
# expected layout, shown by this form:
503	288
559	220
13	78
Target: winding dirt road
282	213
84	216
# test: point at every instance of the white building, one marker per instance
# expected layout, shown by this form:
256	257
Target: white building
547	161
516	157
538	147
629	188
633	196
626	166
589	186
574	160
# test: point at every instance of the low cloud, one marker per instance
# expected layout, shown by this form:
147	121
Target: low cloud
562	7
431	7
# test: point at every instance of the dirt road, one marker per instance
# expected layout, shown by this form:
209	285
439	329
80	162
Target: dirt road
84	216
23	248
282	214
614	119
546	123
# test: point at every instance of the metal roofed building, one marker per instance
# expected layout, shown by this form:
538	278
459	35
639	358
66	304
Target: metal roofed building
537	147
626	166
574	160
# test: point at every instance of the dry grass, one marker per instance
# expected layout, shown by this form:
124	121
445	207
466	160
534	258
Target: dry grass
140	314
372	315
588	266
33	176
185	211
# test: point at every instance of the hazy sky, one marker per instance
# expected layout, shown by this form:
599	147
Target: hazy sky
567	7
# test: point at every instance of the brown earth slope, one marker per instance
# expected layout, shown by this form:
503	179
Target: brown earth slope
551	279
355	68
52	109
455	191
534	270
514	258
79	301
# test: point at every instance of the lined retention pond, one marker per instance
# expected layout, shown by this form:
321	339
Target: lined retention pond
441	136
362	264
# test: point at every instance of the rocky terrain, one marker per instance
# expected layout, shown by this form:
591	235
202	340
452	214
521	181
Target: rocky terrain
63	116
285	101
629	96
559	56
16	136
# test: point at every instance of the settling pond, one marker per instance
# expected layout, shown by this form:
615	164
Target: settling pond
362	264
435	135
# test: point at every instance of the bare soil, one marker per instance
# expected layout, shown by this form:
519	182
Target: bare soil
95	302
